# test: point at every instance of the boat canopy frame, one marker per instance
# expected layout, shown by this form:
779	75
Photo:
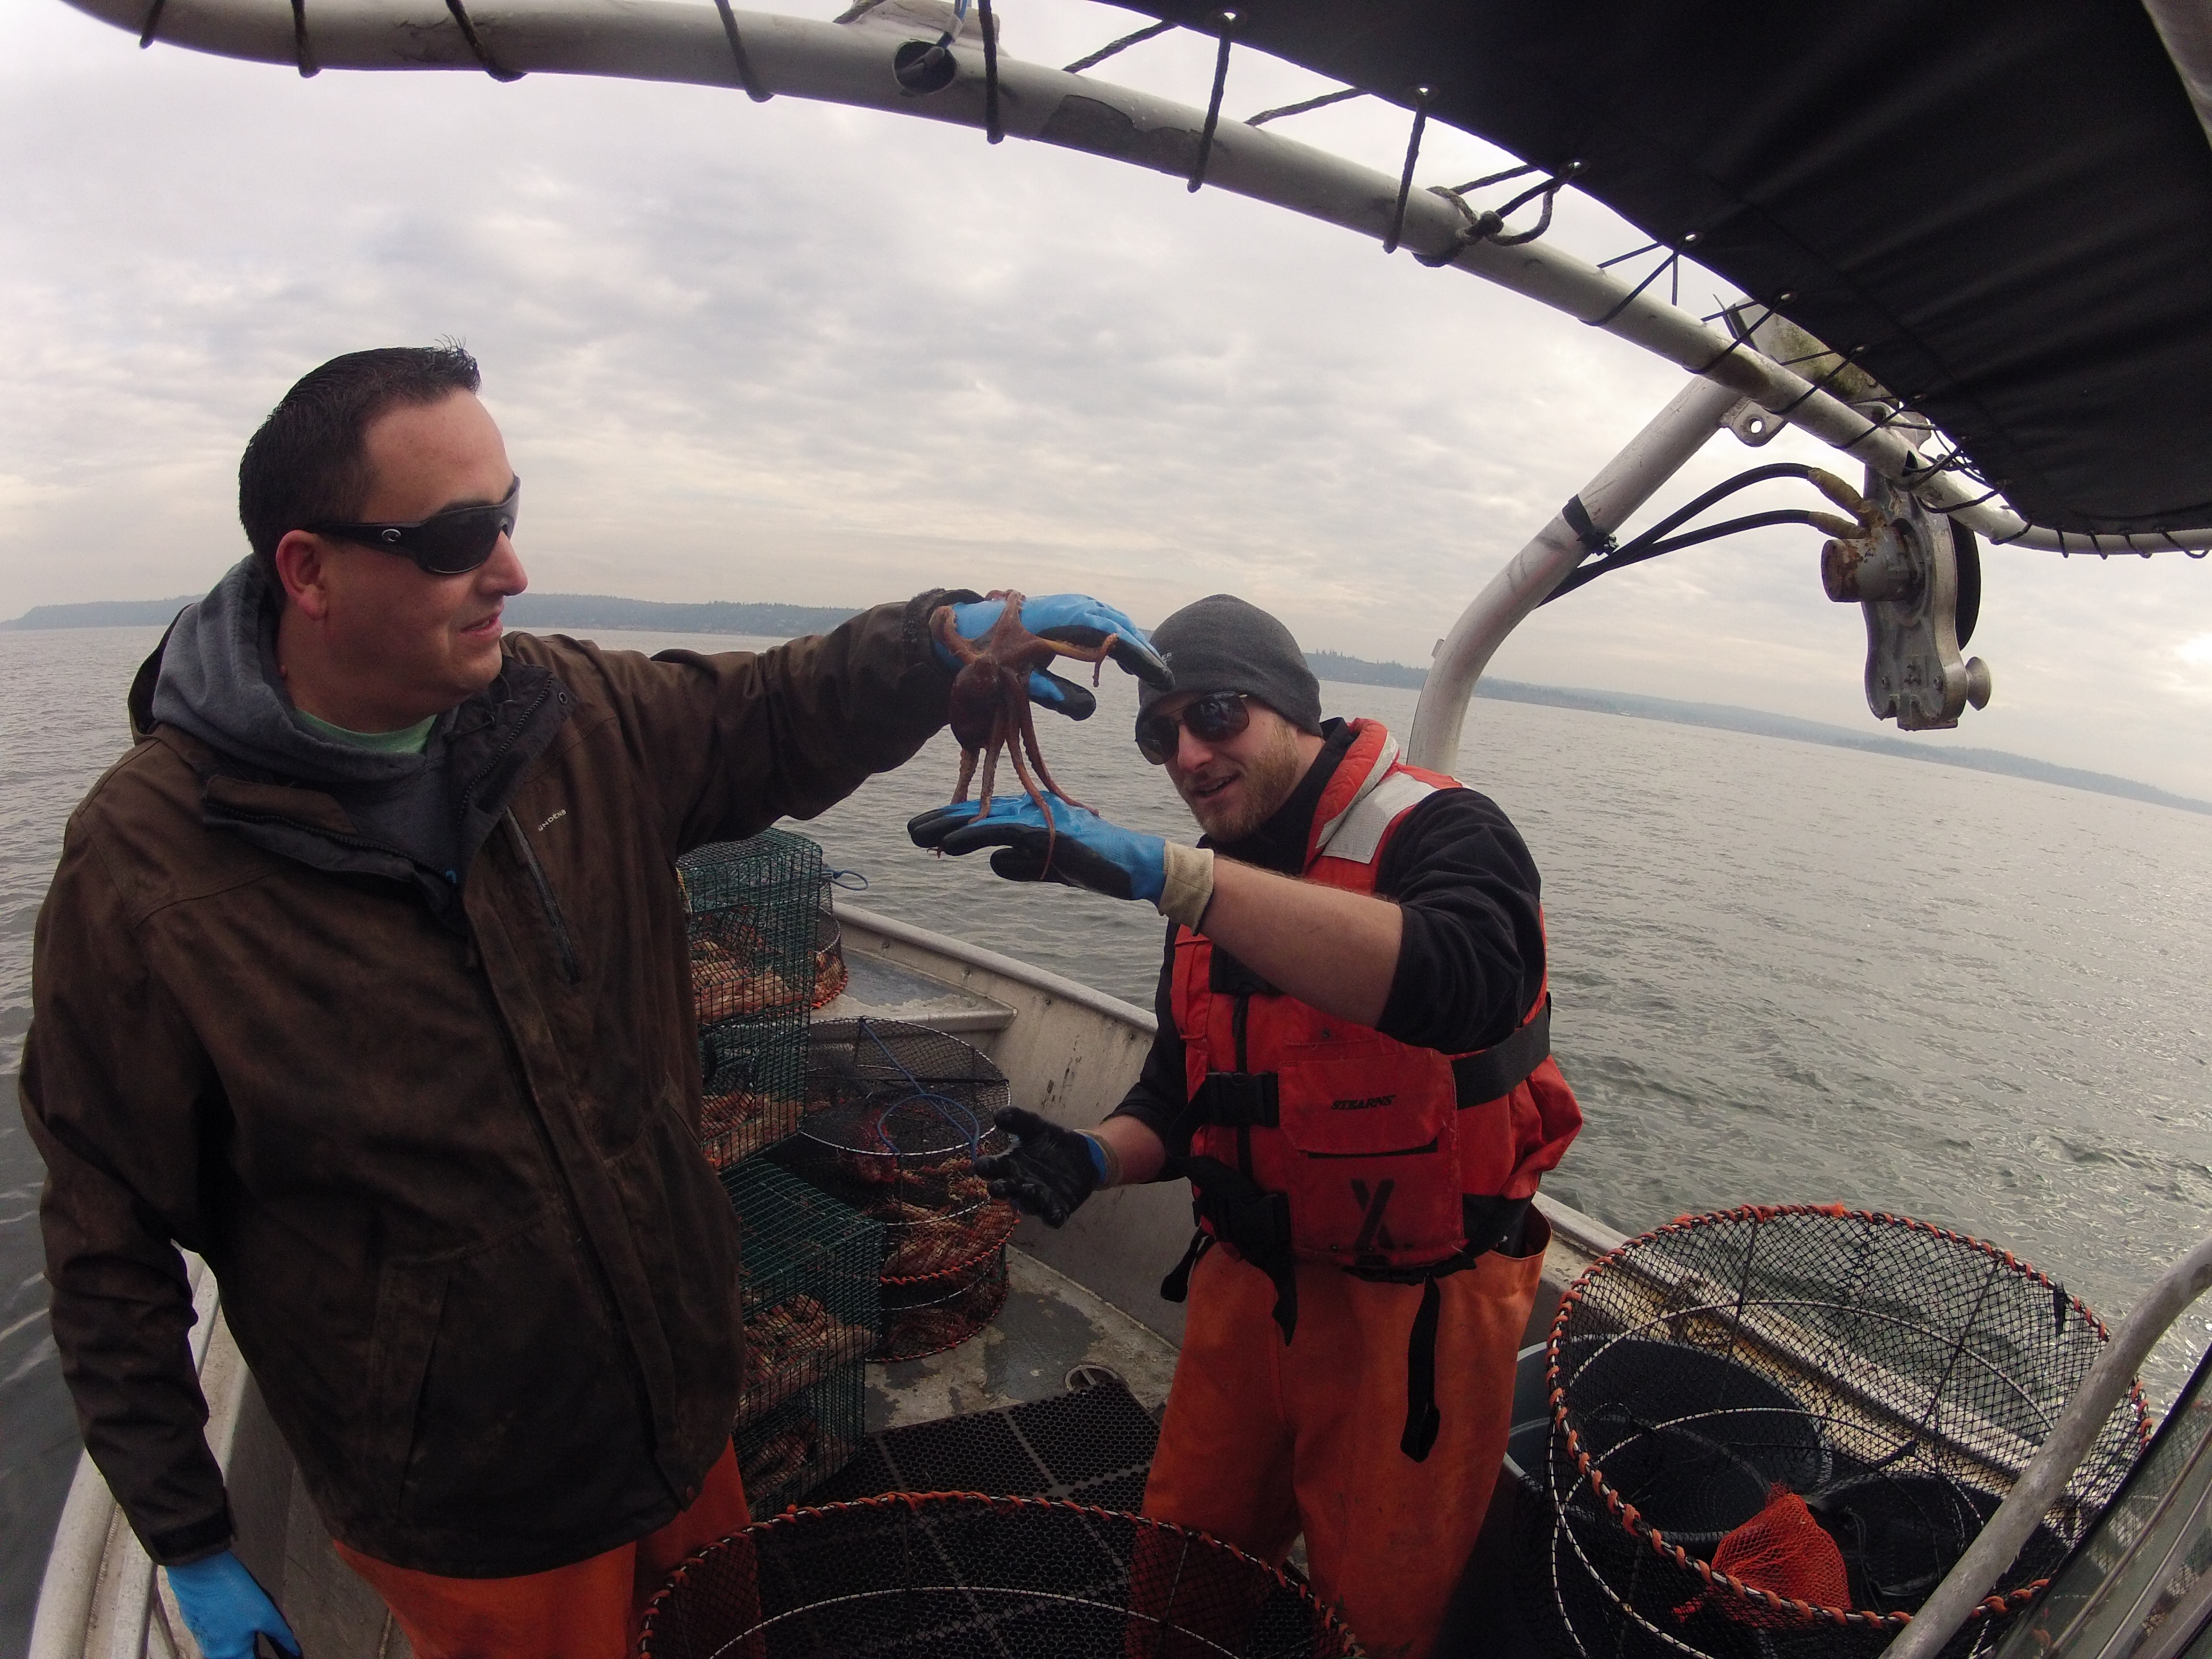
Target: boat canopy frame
873	62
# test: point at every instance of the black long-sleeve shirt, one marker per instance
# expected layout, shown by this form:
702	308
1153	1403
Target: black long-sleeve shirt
1472	957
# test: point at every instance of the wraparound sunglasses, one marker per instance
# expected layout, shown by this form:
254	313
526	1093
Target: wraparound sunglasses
1213	717
448	544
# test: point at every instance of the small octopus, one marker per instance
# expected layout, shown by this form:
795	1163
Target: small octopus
990	705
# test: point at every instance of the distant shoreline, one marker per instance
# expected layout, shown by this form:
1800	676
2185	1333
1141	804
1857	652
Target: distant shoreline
539	611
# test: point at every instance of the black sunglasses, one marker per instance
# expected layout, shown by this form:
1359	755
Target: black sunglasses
448	544
1215	718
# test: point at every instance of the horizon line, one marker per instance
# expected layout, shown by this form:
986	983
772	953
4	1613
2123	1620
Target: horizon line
1636	705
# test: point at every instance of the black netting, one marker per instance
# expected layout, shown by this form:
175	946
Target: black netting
1816	1405
895	1115
956	1575
752	909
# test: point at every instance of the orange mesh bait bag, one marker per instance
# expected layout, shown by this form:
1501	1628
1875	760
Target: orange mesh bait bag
1783	1551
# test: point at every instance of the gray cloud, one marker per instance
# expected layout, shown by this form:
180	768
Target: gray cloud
805	354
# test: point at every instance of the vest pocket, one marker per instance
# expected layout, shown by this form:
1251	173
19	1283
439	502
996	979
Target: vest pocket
1366	1099
1375	1171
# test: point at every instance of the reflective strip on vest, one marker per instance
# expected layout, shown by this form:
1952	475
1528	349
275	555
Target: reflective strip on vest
1376	772
1357	835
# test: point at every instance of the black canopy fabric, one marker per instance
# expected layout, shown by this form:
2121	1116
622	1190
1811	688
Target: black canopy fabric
2002	208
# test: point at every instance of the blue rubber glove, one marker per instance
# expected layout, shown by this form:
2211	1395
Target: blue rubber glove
1087	851
1079	620
225	1608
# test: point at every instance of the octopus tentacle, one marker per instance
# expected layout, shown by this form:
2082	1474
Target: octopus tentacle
1096	655
1028	734
994	681
991	760
940	624
1043	805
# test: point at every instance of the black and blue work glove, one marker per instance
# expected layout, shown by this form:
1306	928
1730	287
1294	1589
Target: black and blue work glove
1078	619
1081	849
1049	1170
225	1608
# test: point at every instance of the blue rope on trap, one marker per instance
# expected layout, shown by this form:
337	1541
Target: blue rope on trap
938	1103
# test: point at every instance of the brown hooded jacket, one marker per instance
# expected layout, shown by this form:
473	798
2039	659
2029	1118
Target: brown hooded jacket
443	1165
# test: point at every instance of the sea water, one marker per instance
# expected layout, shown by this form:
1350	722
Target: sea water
1782	972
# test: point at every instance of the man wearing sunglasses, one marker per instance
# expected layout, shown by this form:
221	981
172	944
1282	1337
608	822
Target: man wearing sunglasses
364	976
1352	1069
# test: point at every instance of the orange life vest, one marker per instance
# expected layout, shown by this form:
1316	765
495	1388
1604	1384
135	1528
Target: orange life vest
1325	1140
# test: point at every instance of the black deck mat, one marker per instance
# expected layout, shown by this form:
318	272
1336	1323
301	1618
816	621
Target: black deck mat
1093	1445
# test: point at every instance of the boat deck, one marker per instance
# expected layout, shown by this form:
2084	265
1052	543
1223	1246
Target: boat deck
1050	1328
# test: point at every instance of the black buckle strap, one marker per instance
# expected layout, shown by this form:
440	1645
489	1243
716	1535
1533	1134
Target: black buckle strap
1499	1070
1238	1100
1236	1210
1175	1287
1493	1223
1422	1420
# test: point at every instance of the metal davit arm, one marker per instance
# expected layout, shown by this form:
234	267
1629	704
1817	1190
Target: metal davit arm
1623	484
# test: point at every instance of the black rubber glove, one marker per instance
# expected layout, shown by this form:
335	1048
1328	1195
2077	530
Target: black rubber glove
1049	1172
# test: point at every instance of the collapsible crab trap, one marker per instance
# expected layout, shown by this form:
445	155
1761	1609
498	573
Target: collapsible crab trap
812	1312
753	907
895	1115
1775	1430
958	1576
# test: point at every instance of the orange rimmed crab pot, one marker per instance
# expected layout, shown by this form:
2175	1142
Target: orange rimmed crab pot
962	1575
1776	1427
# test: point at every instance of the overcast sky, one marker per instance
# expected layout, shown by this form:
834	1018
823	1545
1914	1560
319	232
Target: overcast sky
789	352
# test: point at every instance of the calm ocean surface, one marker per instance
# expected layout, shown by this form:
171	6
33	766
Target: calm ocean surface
1783	973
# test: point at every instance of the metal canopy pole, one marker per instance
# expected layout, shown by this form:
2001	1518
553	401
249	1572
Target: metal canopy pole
1624	483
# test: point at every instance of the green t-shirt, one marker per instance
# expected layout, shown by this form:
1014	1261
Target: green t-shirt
407	740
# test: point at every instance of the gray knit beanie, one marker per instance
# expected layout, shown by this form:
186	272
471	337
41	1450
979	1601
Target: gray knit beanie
1221	643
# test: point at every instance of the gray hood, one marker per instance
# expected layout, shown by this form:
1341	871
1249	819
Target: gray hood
219	682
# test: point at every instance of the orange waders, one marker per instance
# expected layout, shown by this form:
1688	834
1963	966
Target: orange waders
587	1610
1264	1439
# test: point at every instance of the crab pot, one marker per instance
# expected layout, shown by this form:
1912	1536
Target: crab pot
895	1114
923	1317
811	1295
1693	1438
1816	1405
956	1576
750	916
746	1102
804	1439
830	974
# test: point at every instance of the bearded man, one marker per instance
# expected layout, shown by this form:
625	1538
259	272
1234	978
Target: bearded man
1353	1070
